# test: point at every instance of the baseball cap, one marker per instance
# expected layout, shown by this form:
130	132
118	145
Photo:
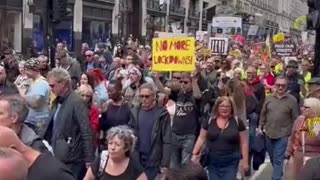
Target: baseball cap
315	80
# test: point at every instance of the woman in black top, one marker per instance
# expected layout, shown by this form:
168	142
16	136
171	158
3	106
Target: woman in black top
226	139
116	113
116	163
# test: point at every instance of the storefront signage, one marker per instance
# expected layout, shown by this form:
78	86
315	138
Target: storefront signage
173	54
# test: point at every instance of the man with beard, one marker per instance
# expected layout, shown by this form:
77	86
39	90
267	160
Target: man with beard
295	80
210	72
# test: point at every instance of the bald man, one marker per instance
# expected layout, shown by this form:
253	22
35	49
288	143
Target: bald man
12	165
41	166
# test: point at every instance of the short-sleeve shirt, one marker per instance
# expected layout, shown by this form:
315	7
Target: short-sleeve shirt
226	140
40	88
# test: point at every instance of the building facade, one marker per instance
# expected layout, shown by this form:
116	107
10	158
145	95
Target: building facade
87	21
143	18
11	15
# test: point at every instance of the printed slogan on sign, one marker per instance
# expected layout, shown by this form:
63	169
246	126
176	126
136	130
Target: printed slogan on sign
174	54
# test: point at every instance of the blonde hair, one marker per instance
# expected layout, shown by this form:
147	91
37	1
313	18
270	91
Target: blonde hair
84	89
220	100
314	105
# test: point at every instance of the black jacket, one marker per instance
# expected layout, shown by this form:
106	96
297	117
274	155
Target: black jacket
72	139
8	88
160	152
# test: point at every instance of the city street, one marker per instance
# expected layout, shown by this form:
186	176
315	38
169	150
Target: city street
264	173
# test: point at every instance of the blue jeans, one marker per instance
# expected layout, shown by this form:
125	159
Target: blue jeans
182	146
276	149
223	165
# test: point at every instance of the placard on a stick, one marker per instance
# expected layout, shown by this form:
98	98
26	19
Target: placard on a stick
219	46
173	54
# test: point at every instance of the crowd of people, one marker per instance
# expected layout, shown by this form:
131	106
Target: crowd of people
107	115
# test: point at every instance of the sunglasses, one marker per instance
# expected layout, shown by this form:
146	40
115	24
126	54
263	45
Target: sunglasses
290	67
306	107
52	86
184	82
175	77
86	95
88	55
281	85
145	96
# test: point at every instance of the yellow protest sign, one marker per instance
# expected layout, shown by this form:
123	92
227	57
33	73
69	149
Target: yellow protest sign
173	54
313	126
278	38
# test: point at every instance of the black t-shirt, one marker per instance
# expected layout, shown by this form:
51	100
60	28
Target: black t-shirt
133	171
226	140
46	167
186	117
115	116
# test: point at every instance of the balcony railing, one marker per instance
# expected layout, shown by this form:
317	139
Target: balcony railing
177	10
154	5
194	14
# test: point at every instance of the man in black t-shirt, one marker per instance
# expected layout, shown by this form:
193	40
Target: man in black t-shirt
186	122
41	166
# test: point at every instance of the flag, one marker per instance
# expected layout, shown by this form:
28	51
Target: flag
266	56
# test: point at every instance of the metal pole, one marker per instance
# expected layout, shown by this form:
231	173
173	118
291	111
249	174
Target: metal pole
201	15
316	64
167	15
185	28
45	16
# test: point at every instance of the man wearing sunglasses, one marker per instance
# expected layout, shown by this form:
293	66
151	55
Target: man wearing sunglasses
90	63
278	114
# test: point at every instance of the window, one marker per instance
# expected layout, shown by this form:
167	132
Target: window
10	29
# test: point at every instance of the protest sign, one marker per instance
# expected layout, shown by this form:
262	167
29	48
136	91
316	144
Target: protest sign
285	50
219	45
313	126
173	54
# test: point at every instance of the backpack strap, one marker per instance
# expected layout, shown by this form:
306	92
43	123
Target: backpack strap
237	120
103	163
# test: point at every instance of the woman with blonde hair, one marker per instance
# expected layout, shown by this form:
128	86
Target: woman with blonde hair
86	93
226	140
304	142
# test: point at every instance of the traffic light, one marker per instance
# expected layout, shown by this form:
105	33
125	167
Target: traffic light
59	9
313	18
